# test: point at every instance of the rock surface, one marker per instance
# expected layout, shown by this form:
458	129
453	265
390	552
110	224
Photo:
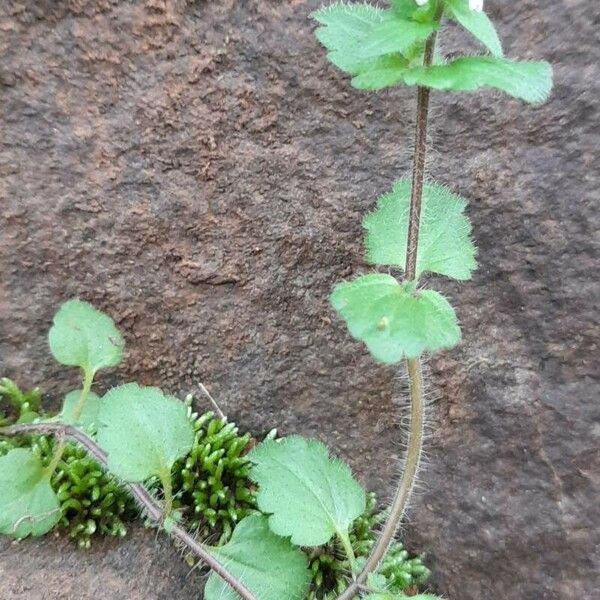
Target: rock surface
199	171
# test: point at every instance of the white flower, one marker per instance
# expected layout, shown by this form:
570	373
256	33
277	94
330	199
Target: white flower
476	5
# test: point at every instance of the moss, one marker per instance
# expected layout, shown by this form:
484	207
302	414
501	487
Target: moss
212	490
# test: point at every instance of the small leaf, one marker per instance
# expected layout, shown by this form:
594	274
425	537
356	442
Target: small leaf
380	73
394	35
308	495
393	320
143	431
364	40
89	415
477	23
529	81
28	505
82	336
268	565
445	245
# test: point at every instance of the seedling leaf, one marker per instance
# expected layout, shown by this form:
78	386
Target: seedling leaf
308	495
529	81
268	565
477	23
445	245
89	415
82	336
28	504
143	431
394	320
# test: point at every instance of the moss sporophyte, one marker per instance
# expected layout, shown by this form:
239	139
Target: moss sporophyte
283	520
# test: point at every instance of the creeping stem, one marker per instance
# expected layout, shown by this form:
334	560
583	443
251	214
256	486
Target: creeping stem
415	375
153	509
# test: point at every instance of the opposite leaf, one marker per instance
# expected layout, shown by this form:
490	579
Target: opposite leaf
28	505
89	415
308	495
394	320
477	23
445	245
82	336
268	565
143	431
529	81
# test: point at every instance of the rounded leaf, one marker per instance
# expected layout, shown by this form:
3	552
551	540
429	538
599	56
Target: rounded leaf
82	336
143	431
28	504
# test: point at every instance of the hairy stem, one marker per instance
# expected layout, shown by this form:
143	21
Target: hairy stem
152	507
415	375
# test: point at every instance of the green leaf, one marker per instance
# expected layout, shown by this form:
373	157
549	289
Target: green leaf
89	415
82	336
268	565
362	38
143	431
529	81
394	35
28	505
380	73
308	495
477	23
394	320
445	245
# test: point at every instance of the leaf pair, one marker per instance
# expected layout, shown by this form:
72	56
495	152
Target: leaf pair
396	320
384	48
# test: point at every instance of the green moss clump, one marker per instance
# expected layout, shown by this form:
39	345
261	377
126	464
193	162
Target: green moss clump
330	568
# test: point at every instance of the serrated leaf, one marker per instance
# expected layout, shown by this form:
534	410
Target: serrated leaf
529	81
143	431
28	504
365	40
477	23
308	495
82	336
393	35
268	565
394	320
445	245
89	415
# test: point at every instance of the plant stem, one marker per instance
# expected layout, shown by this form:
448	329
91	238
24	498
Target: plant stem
347	545
152	507
415	375
167	485
59	451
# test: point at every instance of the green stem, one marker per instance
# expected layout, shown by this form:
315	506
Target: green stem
415	375
59	451
88	378
347	545
167	485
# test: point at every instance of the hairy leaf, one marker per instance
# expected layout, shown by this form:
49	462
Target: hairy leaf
394	320
364	40
89	415
143	431
28	504
477	23
268	565
529	81
82	336
445	245
308	495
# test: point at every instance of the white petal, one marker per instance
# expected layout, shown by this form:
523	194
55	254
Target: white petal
421	2
476	5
